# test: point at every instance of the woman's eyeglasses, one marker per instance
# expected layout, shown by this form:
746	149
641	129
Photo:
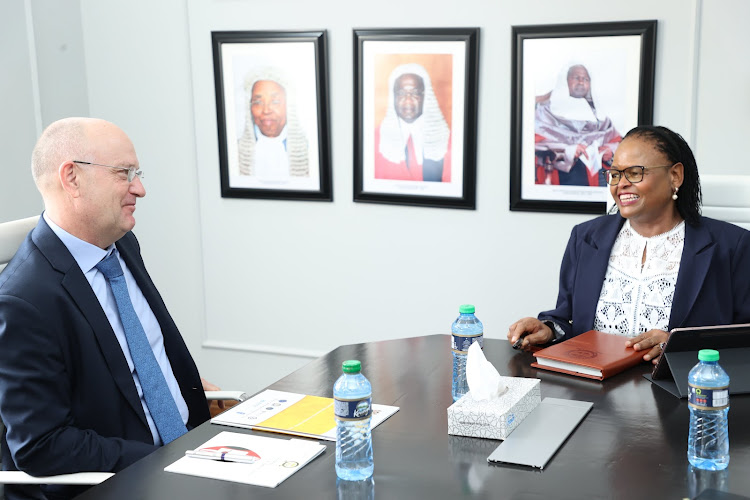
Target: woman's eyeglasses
632	174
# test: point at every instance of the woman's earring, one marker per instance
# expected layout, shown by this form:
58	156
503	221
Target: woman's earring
674	195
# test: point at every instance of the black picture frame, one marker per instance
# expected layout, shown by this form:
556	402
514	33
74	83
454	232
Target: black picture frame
446	60
293	161
619	58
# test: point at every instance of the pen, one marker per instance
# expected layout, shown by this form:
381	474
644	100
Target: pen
517	343
222	456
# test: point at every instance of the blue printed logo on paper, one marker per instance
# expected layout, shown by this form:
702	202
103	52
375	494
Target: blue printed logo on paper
356	409
708	398
462	343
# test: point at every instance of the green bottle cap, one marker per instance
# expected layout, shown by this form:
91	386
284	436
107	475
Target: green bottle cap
708	355
351	366
466	309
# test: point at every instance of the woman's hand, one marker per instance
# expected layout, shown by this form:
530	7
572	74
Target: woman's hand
652	341
538	333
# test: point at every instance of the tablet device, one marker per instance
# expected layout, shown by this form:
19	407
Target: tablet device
681	354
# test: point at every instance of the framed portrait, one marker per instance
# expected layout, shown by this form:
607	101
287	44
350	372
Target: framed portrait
415	116
272	114
577	89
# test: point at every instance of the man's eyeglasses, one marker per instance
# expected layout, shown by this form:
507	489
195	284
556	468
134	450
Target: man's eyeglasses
132	171
632	174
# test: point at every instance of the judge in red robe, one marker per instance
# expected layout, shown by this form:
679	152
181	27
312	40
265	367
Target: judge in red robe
413	142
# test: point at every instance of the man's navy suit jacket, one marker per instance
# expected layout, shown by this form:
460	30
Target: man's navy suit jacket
713	284
67	396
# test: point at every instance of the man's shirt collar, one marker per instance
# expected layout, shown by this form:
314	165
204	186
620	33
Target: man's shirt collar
85	254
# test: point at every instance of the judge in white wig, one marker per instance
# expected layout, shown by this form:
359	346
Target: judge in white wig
413	140
273	144
573	131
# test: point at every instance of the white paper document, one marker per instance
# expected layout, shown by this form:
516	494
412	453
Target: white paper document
291	413
270	460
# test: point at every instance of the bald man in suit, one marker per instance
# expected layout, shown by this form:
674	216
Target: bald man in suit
70	395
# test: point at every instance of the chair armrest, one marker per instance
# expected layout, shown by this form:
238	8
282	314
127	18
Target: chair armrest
18	477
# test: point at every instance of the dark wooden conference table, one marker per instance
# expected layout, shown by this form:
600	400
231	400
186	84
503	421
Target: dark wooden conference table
632	445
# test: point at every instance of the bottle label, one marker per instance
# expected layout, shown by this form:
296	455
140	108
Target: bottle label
352	409
708	398
461	343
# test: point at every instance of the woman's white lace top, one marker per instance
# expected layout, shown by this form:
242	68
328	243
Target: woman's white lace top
638	297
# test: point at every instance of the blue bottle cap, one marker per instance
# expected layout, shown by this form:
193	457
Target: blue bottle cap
708	355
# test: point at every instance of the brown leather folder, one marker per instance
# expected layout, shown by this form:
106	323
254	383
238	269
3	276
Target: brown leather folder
593	354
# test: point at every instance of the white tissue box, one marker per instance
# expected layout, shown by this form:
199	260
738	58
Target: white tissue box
495	419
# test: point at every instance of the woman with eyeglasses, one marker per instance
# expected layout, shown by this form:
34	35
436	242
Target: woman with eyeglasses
654	266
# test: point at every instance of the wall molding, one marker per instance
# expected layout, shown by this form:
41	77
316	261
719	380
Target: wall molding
262	349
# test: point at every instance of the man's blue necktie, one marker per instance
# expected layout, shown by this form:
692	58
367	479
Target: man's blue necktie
159	400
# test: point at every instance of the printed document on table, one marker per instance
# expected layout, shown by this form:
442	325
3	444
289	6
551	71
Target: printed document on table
276	459
291	413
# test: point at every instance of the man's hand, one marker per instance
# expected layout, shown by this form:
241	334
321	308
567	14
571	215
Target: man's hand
581	150
208	386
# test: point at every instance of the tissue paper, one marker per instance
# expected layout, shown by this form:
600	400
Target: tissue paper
495	405
483	379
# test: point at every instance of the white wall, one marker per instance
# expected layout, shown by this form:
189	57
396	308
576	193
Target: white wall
61	69
259	286
723	93
43	79
20	121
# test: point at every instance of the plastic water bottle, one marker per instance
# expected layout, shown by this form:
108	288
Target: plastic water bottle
699	480
352	396
708	400
356	490
466	330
